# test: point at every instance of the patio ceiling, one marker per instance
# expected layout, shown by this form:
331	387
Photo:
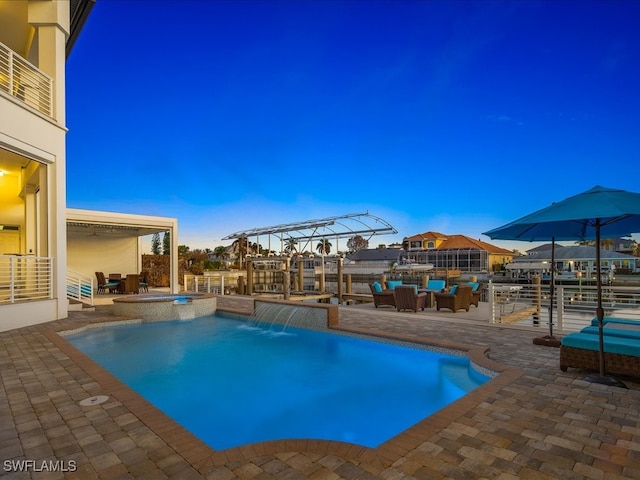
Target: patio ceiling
110	224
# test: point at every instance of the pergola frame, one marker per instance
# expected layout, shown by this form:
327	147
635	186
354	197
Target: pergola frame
342	226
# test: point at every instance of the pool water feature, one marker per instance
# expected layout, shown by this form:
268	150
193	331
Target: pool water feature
165	307
282	316
233	382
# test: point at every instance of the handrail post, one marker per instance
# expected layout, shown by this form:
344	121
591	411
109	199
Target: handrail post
560	309
492	293
12	279
11	68
340	285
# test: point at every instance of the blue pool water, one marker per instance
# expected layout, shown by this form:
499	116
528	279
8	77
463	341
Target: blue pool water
231	382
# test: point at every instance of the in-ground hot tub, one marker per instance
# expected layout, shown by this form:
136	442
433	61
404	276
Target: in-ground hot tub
165	307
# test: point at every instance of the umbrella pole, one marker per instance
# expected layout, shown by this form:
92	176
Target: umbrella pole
552	282
550	340
602	377
599	309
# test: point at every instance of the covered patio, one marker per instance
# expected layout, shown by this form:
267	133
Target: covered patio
112	242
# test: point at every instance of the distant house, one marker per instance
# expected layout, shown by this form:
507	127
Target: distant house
455	252
578	258
372	260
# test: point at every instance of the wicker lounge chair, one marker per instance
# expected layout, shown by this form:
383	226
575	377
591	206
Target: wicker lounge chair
384	297
621	349
475	293
588	359
461	299
407	298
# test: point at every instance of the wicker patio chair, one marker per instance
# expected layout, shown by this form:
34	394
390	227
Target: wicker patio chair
132	283
461	299
144	281
385	297
475	296
407	298
104	285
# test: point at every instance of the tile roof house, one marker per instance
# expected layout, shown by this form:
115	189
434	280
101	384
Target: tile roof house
455	252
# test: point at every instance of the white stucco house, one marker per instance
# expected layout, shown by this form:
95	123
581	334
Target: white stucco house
36	228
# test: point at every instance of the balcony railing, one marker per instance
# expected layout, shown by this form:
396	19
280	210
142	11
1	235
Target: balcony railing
574	306
25	278
25	82
220	283
79	287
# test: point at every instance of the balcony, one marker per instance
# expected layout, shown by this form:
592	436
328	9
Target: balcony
25	82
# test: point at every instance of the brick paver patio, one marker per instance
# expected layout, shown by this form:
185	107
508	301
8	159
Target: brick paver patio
532	421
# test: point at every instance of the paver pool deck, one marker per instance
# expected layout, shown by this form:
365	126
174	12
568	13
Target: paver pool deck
532	421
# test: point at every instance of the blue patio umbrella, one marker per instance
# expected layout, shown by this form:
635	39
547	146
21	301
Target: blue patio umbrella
591	215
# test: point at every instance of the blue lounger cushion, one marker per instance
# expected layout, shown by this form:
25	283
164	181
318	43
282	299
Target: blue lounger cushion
614	332
391	284
474	286
588	341
377	287
606	320
436	285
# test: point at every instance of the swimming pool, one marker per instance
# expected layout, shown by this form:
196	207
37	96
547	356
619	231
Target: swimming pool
231	382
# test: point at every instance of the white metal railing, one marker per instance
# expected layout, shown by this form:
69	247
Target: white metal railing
25	278
574	306
202	284
22	80
79	287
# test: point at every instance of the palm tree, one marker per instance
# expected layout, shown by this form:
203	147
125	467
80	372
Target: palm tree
220	251
605	243
291	245
324	246
240	247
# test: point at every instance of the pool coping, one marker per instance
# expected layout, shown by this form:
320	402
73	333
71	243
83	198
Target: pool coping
202	457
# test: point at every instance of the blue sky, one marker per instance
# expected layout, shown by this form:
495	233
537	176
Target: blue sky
452	116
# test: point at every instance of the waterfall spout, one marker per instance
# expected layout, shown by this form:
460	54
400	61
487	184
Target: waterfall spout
281	316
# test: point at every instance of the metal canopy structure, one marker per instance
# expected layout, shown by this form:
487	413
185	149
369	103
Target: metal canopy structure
342	226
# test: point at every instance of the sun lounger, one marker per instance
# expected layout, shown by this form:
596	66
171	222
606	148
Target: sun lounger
621	348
